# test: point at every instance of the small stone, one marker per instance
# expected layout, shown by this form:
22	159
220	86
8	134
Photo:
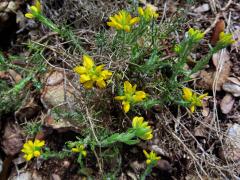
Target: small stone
22	176
66	164
56	177
55	78
164	165
12	7
232	88
203	8
1	165
3	6
12	140
3	18
227	103
231	147
55	95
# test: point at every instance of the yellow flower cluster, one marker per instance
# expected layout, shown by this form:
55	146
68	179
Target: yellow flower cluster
196	35
143	131
225	39
91	74
131	96
80	149
122	21
148	13
192	98
152	157
32	149
34	10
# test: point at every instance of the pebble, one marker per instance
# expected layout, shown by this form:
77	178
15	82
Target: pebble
232	88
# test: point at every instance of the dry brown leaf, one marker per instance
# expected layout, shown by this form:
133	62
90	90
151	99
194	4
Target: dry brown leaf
61	125
206	78
27	111
219	27
226	104
201	130
12	140
231	147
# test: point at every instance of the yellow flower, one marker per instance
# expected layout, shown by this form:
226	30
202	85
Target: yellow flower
152	157
196	35
91	74
32	149
80	149
122	21
192	98
34	10
225	39
131	96
148	13
143	131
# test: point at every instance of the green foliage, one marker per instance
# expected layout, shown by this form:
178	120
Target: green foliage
149	58
72	116
127	138
31	128
52	154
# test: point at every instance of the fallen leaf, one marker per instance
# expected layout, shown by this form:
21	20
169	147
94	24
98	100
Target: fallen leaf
201	130
206	78
61	125
227	103
27	111
219	27
12	140
231	147
205	108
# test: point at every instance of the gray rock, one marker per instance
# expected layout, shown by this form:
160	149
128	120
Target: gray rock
232	88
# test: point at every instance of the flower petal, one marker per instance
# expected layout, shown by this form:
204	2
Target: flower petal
29	15
146	154
38	6
134	20
192	108
84	78
139	96
80	70
37	153
101	83
187	94
87	62
128	87
119	98
88	84
126	106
